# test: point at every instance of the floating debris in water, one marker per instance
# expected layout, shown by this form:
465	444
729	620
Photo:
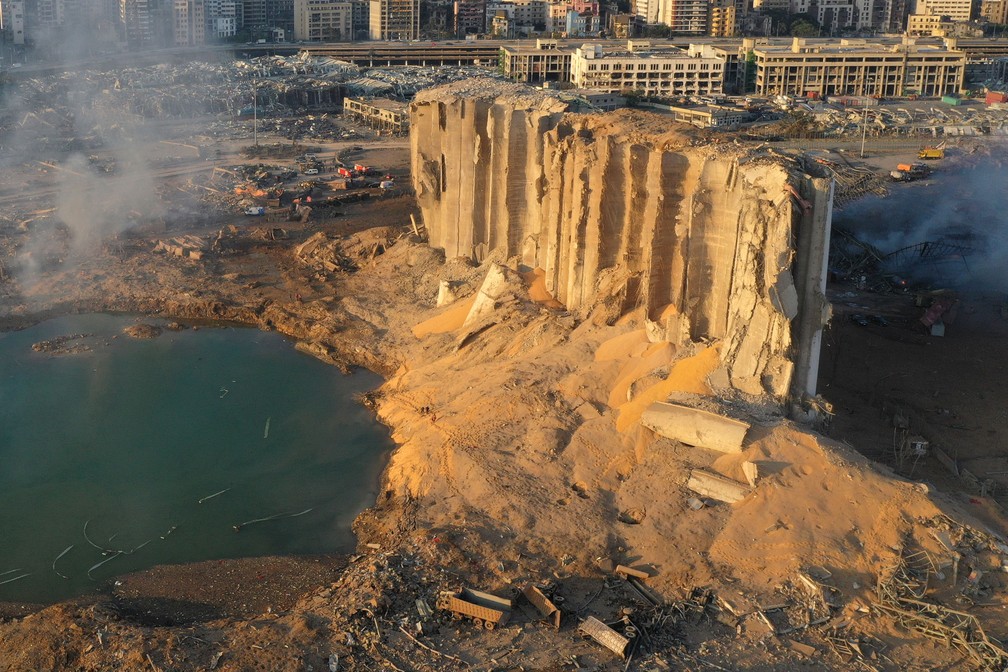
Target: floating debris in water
266	431
170	530
10	571
211	497
16	578
65	551
104	550
99	564
239	526
224	392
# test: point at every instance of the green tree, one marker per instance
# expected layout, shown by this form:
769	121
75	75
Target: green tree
803	28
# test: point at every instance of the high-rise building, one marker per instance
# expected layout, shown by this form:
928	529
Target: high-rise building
252	14
686	17
995	11
138	23
469	17
12	21
221	18
723	21
395	19
280	14
361	19
189	23
323	20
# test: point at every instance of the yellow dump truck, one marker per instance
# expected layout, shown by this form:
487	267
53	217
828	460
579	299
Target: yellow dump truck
931	153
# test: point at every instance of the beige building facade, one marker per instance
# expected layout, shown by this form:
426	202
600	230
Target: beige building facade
658	73
858	68
323	20
395	19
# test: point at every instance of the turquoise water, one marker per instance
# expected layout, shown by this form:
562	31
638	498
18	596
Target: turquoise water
128	437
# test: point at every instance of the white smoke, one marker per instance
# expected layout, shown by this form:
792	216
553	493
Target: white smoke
964	203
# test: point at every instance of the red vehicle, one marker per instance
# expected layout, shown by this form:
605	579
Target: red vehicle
344	172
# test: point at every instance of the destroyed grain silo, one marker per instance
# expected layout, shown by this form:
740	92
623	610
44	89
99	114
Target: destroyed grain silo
717	242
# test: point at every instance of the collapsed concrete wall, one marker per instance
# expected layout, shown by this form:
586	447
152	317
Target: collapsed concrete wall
622	209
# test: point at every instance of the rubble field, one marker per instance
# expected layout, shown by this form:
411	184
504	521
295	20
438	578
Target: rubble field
528	396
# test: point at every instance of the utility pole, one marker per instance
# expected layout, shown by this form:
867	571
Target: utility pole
255	113
864	129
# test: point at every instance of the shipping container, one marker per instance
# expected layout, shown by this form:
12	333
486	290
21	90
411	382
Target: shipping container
996	97
951	100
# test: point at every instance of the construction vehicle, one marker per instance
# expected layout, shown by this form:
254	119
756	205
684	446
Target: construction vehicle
908	172
931	153
255	211
486	610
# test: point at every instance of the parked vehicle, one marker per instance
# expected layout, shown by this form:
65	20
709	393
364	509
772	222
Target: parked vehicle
255	211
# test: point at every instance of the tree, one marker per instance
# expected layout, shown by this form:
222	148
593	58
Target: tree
803	28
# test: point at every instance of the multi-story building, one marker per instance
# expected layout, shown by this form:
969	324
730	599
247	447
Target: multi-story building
580	24
547	61
502	25
722	21
956	10
624	26
361	19
995	11
138	23
530	16
645	10
469	17
221	18
280	15
12	20
686	17
858	68
395	19
929	25
323	20
189	22
653	73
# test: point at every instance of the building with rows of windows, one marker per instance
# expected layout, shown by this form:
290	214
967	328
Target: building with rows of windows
697	71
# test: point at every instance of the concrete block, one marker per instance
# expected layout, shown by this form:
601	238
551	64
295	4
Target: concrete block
695	427
716	487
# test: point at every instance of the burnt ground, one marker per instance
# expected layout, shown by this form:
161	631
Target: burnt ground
949	389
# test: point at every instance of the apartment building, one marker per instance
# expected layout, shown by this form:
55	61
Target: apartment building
12	19
469	17
189	23
723	18
995	11
395	19
323	20
649	72
858	68
685	17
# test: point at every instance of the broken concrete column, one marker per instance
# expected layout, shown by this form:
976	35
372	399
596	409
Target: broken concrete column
496	286
446	293
695	427
716	487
